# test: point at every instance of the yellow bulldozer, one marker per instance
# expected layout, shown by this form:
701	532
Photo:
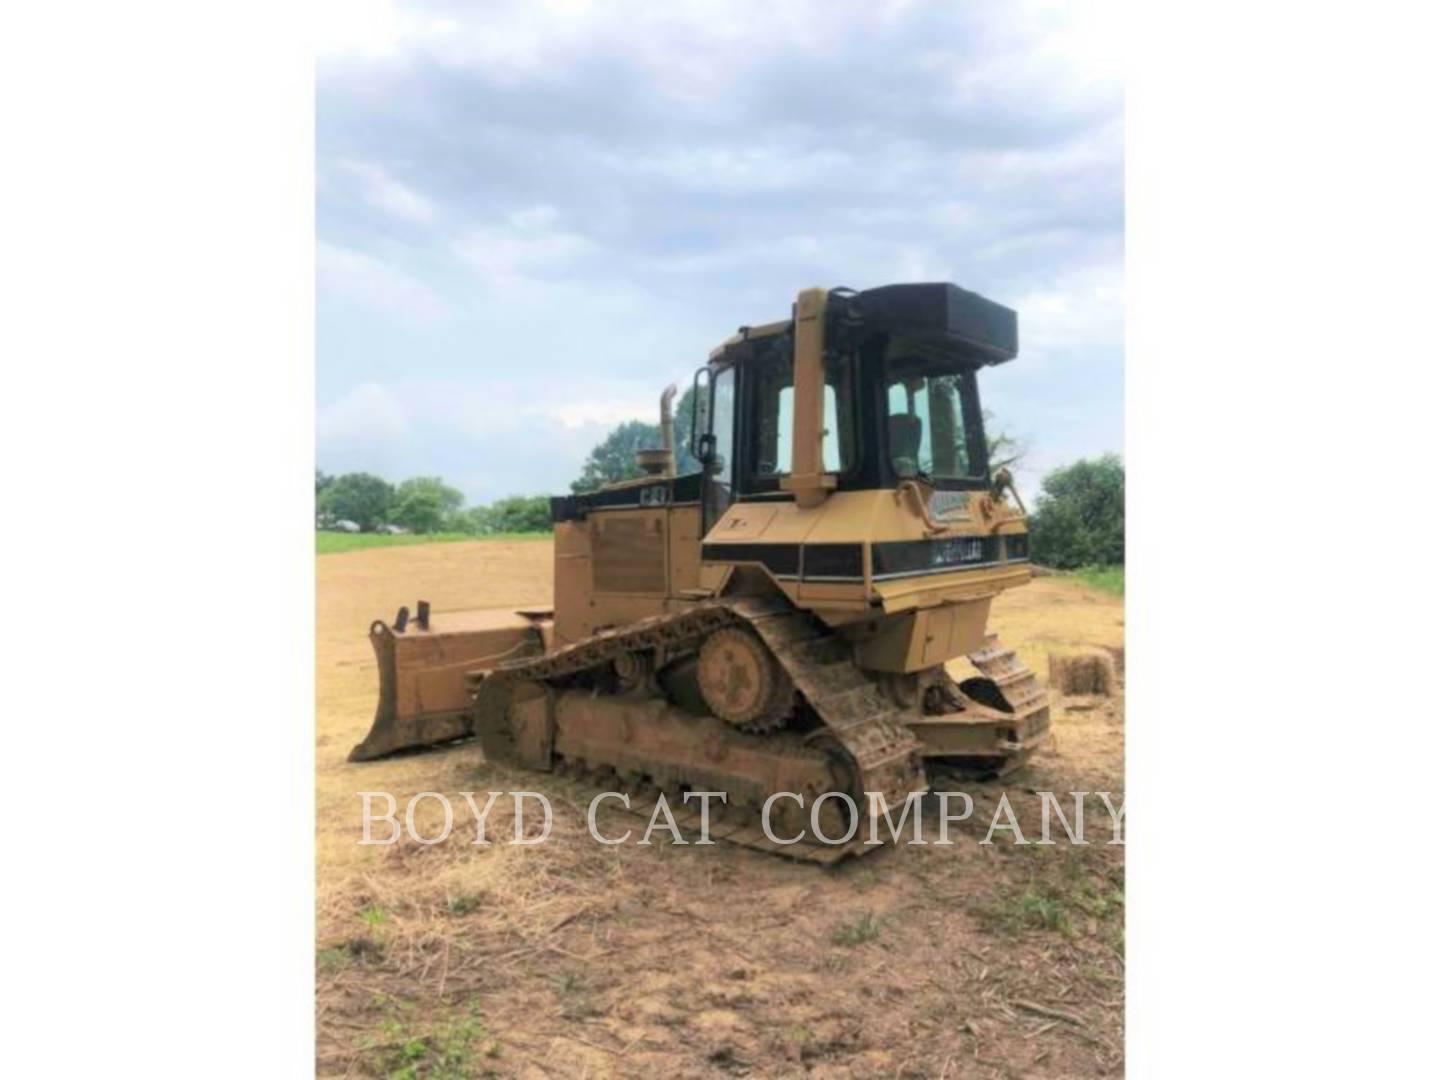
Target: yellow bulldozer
784	619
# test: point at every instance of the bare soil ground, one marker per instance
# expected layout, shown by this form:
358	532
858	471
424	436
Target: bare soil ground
570	959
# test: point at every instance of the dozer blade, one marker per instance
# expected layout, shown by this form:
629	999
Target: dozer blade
423	662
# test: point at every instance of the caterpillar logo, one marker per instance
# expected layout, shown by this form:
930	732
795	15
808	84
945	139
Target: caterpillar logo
950	506
970	549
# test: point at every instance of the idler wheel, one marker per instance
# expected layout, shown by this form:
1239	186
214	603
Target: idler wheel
742	683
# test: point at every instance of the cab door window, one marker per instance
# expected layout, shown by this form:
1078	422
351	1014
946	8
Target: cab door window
720	473
772	432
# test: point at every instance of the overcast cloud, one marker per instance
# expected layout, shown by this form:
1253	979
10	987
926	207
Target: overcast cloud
534	215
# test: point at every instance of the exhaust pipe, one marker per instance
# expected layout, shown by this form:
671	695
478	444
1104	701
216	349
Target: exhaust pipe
661	462
667	427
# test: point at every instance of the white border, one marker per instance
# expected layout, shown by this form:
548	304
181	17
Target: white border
1282	238
157	432
158	629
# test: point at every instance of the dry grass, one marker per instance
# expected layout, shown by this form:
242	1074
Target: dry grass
570	959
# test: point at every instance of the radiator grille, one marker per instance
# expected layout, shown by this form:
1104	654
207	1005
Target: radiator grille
629	554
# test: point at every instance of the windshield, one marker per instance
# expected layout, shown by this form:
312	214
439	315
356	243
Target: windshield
933	427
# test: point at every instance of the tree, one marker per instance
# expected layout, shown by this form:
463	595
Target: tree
473	519
322	481
1079	518
358	497
614	459
1002	449
519	513
425	504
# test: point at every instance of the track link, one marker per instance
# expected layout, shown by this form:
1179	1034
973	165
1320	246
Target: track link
860	725
732	824
886	756
1029	701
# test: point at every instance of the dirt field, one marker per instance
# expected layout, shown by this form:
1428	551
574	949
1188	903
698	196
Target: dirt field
570	959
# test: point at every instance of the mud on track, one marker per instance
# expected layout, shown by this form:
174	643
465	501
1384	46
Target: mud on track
569	959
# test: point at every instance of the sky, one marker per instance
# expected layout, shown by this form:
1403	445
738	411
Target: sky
532	216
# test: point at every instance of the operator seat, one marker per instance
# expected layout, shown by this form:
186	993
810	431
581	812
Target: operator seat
905	432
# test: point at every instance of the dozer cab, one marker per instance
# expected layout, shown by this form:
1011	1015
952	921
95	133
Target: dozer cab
786	617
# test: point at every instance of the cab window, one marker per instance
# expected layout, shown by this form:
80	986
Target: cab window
720	488
774	425
932	428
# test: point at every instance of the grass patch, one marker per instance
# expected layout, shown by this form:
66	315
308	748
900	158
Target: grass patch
574	996
373	915
567	982
444	1051
866	928
462	903
333	958
1109	579
1035	907
354	950
331	543
1053	902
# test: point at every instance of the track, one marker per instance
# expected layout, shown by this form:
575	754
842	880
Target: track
860	731
1023	694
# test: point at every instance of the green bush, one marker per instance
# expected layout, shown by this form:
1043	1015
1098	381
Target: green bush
517	514
1079	518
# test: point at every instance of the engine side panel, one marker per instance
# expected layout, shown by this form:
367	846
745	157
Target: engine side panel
613	566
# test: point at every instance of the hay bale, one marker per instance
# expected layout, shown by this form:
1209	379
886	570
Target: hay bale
1085	673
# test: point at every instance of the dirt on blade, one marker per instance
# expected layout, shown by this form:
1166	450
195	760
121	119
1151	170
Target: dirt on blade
569	958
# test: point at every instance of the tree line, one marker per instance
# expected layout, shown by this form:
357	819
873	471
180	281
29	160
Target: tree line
422	504
426	504
1078	519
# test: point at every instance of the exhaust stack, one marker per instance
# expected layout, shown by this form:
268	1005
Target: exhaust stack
667	427
661	462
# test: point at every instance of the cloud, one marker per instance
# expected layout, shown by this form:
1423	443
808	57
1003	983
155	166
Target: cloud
492	437
368	30
370	413
507	401
364	278
525	247
383	191
1082	309
543	211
